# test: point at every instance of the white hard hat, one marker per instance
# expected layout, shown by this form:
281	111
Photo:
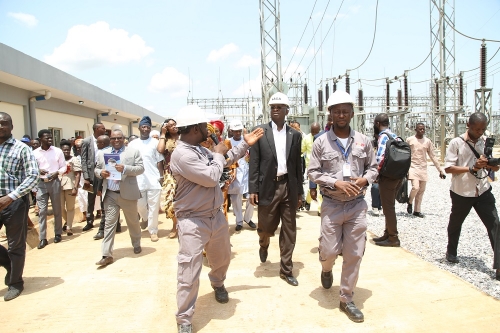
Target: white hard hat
190	115
279	98
339	97
236	125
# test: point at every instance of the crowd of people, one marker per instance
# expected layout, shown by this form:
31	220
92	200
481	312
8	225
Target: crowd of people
192	173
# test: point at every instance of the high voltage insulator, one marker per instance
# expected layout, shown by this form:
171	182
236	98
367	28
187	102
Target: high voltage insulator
327	92
360	100
347	84
334	86
405	82
400	99
387	96
461	89
320	100
483	65
305	93
436	85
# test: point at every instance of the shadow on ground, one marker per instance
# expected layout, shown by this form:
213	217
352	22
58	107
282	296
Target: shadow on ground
329	298
268	269
35	284
208	309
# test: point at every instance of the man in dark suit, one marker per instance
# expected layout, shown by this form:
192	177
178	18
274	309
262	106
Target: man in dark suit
89	154
120	194
275	184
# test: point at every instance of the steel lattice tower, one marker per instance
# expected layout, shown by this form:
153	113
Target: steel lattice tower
270	44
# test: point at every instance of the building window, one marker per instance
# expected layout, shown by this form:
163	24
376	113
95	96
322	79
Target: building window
56	136
80	134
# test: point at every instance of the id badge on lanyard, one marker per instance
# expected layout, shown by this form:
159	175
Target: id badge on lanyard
346	168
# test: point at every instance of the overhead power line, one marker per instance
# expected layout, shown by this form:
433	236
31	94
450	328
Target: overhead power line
373	41
461	33
470	70
312	39
303	32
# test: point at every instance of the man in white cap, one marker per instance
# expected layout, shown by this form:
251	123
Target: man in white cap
150	181
197	205
239	187
343	164
275	184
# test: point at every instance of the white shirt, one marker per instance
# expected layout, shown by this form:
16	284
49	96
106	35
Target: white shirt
51	160
150	157
96	150
280	144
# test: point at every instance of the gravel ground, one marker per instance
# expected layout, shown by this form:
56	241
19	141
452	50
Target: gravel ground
427	237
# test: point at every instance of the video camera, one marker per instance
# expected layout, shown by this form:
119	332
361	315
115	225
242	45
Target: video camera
488	152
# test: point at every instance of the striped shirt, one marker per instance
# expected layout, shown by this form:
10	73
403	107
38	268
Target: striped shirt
382	142
19	169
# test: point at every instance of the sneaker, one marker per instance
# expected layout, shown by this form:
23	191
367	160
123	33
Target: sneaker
375	212
184	328
154	237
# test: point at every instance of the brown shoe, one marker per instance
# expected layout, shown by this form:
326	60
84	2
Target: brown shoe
389	242
105	261
173	233
381	238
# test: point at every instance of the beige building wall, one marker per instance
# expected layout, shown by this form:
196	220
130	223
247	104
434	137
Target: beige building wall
17	114
68	123
109	125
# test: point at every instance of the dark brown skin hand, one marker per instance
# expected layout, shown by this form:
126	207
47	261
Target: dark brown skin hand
254	199
221	148
349	188
5	201
314	194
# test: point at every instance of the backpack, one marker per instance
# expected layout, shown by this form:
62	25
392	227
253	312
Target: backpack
397	158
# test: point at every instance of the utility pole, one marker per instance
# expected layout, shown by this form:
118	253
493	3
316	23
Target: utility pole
444	92
270	50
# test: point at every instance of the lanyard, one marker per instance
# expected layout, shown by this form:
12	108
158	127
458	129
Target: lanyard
345	153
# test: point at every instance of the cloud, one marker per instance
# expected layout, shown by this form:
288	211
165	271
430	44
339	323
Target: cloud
247	61
222	53
24	18
97	45
253	85
170	81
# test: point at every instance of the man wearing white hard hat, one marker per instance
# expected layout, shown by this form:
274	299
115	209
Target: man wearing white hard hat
275	184
197	205
239	187
343	164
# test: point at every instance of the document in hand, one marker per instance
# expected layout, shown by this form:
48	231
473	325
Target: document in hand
111	160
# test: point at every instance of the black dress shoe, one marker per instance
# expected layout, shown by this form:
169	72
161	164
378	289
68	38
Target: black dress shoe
496	277
418	214
12	293
88	226
118	228
43	243
308	206
389	243
451	258
263	254
99	235
221	294
105	261
57	239
65	226
289	279
238	227
409	209
352	312
251	225
326	279
137	250
381	238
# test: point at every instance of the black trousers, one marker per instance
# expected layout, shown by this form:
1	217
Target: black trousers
283	208
484	205
91	203
15	218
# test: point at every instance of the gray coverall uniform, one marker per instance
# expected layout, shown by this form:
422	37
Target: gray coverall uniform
201	221
343	218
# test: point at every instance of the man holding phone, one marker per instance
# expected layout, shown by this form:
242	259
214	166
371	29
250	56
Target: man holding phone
470	187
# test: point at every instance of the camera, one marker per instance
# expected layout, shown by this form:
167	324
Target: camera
488	152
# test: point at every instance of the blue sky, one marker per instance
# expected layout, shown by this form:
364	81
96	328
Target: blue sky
154	52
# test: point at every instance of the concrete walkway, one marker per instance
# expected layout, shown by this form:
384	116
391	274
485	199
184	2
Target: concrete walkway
66	292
